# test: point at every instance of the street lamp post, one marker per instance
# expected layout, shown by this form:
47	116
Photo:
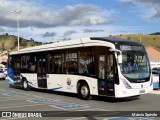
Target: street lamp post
140	38
17	13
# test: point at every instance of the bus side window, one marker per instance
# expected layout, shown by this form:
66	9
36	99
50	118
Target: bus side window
57	63
71	63
86	66
52	64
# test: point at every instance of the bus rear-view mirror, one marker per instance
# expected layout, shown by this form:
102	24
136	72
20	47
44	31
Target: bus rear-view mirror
119	55
120	58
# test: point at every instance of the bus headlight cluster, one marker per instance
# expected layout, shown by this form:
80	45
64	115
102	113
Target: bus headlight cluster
126	84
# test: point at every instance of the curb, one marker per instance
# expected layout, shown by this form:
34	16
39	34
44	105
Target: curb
155	92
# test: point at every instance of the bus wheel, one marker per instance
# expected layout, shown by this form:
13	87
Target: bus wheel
25	85
83	91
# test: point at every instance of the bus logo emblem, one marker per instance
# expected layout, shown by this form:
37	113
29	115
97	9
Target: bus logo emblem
141	86
68	81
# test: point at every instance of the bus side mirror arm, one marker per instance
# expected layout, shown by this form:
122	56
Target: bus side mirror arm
119	56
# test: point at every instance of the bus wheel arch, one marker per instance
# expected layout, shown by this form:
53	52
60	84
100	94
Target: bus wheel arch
25	85
83	90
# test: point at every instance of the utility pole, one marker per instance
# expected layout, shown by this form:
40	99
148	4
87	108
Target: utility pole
140	38
17	13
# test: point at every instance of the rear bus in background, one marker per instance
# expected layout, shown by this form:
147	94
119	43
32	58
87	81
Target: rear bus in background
156	79
91	66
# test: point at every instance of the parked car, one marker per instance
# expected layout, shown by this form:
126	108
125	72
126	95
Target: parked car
2	74
5	71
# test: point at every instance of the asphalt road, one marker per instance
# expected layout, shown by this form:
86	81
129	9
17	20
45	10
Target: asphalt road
63	106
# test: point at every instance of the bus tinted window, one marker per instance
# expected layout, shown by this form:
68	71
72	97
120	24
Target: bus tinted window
70	63
56	63
28	63
86	60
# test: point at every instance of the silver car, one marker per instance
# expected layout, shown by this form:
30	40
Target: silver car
2	74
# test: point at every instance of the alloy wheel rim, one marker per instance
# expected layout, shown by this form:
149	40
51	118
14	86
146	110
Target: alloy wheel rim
84	91
25	84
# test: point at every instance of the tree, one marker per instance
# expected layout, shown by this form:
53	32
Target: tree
31	40
154	38
7	34
3	46
129	37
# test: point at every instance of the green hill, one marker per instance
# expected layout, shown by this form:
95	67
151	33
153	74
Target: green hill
147	40
9	43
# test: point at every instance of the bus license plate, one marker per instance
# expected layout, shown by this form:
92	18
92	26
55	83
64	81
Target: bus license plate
142	91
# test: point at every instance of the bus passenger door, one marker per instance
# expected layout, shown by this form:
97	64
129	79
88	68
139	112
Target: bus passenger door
110	74
105	75
41	72
16	68
101	75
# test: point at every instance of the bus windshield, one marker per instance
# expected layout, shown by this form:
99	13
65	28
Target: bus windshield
135	63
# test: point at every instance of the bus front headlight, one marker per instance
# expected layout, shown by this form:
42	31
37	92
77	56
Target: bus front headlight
126	84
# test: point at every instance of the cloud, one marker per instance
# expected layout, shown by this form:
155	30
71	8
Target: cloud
91	30
41	17
127	2
2	29
151	7
48	34
70	32
65	38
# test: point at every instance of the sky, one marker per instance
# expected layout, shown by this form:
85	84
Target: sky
54	20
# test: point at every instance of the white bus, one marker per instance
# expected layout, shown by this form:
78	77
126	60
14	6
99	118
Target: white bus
89	66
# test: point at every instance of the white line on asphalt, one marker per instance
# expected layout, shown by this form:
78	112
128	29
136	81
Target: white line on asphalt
101	115
36	96
14	99
51	103
94	109
87	110
76	118
27	105
69	108
23	93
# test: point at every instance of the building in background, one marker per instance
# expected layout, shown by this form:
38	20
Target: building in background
3	61
154	57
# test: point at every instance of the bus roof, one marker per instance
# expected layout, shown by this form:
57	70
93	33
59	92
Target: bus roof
94	41
116	40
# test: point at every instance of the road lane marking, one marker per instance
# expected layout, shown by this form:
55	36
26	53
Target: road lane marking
43	100
14	99
70	106
26	105
14	92
92	109
23	105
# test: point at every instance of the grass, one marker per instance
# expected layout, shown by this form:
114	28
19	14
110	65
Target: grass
147	40
9	42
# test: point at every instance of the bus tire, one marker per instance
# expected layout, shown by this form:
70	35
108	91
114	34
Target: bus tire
83	91
10	86
25	85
